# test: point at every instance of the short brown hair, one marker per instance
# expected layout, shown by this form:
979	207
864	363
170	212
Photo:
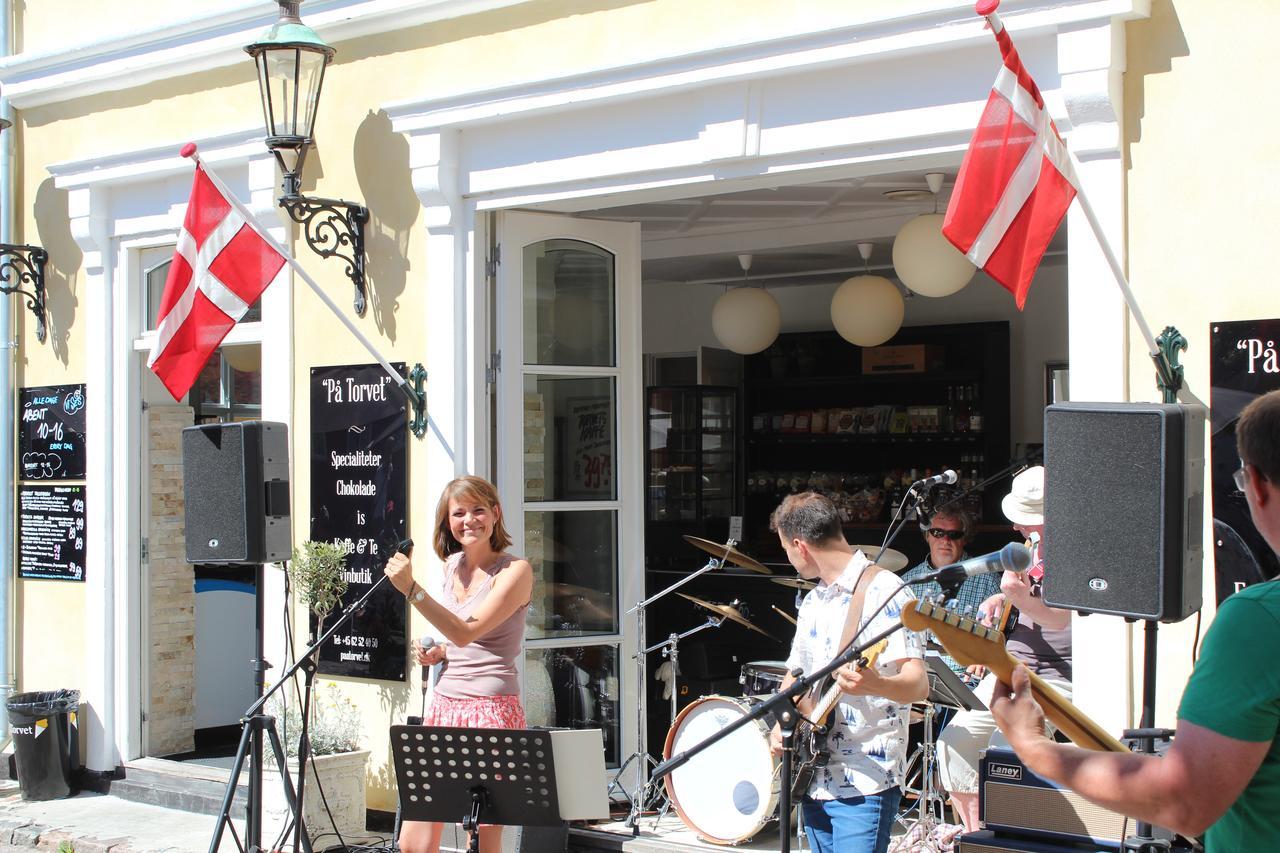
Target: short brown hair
1258	435
952	510
809	517
475	489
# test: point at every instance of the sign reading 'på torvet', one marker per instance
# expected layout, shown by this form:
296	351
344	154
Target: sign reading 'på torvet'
359	488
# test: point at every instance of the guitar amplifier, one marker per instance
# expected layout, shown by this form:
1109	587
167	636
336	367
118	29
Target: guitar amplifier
990	842
1015	800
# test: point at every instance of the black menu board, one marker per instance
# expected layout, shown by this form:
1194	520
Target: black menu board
359	489
1245	364
51	433
51	532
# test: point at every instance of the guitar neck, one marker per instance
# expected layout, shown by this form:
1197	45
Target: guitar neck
1067	717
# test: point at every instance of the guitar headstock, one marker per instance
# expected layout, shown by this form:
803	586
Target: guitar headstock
968	641
870	653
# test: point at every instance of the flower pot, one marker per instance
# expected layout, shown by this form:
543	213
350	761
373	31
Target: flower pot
342	776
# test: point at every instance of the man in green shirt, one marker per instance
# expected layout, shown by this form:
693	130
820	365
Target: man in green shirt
1222	772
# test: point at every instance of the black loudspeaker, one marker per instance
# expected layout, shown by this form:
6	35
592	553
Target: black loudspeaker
236	480
1124	508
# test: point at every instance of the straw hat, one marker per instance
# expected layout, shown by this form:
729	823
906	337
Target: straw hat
1025	502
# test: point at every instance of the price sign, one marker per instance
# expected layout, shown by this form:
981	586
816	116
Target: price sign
51	542
51	433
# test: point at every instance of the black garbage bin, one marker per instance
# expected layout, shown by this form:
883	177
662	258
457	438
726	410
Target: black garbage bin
45	743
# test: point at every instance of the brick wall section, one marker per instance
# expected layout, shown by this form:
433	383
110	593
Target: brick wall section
171	706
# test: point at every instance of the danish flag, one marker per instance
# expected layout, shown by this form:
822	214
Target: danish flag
221	266
1016	182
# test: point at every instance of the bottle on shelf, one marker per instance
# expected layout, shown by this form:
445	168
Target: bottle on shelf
975	409
961	412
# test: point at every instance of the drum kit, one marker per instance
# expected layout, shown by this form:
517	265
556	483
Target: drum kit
730	793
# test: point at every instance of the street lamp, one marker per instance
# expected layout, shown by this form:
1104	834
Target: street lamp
291	59
24	265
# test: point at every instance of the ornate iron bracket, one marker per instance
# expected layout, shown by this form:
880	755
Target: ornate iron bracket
418	378
332	227
1168	371
24	265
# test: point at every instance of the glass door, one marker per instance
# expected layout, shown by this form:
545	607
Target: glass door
569	459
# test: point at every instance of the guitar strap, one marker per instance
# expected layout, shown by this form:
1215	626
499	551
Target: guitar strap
853	618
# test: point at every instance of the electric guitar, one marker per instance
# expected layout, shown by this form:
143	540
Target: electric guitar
970	643
811	731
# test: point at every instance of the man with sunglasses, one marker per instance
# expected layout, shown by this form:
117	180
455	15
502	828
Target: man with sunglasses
947	533
1222	772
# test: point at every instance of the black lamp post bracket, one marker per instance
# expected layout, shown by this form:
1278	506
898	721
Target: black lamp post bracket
334	227
24	265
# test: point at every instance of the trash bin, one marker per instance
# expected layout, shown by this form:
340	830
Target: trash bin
45	743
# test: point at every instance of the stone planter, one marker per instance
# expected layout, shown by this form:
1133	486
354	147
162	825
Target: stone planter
343	779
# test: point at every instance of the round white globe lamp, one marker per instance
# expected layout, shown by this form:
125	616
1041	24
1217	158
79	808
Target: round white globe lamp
746	319
867	310
926	261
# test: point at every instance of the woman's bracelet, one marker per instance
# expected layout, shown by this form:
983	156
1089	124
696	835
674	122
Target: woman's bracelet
415	593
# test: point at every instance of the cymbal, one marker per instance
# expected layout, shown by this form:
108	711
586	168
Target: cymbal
784	614
733	555
729	612
795	583
894	561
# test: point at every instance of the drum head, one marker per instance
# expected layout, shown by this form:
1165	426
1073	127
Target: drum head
729	791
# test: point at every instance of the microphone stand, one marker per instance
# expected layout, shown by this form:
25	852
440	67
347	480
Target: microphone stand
783	703
900	520
254	721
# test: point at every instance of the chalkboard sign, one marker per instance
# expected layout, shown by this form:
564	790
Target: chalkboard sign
51	433
359	490
51	532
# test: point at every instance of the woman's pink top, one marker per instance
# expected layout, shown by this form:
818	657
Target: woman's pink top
486	666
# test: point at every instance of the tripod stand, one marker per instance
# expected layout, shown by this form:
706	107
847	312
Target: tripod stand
920	819
644	762
255	723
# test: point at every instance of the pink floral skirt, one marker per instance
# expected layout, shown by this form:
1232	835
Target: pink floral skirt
485	712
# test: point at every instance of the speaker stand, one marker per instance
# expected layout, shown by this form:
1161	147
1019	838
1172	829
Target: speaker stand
1142	841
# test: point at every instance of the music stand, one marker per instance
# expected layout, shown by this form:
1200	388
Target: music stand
946	688
509	777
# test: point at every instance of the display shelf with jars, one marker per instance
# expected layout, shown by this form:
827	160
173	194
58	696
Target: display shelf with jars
862	424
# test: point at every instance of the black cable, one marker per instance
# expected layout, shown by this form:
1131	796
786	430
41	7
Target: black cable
1195	642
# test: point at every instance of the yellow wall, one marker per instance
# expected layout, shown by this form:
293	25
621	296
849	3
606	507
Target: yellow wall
1200	204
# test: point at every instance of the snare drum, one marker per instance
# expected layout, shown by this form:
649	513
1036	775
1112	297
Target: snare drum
728	792
762	677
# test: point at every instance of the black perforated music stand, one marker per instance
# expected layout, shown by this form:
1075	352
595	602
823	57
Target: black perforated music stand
946	688
492	776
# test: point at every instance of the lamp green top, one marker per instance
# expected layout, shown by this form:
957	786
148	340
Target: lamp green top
289	31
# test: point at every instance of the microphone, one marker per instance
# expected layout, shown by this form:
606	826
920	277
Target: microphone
427	642
947	477
1014	557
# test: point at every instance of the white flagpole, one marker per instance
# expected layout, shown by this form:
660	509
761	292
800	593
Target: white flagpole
262	232
993	19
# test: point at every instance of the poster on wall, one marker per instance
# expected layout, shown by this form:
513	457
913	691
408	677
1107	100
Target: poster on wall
589	448
359	489
51	433
51	542
1245	364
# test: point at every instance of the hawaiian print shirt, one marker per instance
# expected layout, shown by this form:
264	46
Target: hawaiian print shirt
868	739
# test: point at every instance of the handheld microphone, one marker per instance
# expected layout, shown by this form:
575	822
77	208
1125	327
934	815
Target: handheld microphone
1014	557
947	477
427	642
405	546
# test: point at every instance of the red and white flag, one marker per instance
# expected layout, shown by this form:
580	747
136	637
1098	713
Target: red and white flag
1016	182
221	266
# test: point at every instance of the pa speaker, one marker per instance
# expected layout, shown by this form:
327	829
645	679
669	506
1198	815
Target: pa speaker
236	480
1123	508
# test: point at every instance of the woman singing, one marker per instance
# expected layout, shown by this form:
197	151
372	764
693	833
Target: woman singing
480	610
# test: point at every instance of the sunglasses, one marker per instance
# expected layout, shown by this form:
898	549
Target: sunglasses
939	533
1239	477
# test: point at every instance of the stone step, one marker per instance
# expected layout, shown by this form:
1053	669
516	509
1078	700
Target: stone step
185	786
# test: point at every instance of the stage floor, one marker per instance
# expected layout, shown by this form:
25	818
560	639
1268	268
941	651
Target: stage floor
668	835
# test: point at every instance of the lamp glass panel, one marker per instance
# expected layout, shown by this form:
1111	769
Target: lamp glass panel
310	80
282	73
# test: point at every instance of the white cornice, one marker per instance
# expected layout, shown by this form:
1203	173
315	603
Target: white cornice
204	42
158	161
951	25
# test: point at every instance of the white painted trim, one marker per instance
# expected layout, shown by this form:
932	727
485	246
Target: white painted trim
949	26
160	161
204	42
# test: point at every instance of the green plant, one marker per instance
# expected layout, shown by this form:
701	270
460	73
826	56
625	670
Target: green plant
315	569
65	846
335	722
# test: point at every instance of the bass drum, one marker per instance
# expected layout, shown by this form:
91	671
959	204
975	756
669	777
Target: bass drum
728	792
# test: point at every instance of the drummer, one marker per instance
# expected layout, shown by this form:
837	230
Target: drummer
947	532
851	802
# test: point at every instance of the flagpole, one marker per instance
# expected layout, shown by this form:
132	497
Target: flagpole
987	9
189	150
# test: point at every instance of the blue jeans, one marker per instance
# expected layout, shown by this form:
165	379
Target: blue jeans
851	825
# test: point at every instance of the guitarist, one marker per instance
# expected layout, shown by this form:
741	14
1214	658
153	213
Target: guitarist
1222	772
1041	638
851	802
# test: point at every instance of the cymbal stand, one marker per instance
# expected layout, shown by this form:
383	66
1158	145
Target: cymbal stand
930	803
671	651
641	756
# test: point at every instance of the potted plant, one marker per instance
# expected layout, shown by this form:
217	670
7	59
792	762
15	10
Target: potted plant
336	763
